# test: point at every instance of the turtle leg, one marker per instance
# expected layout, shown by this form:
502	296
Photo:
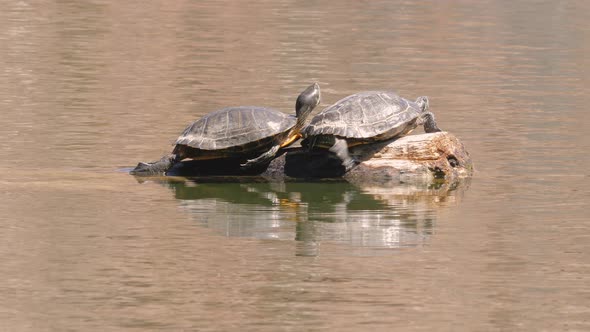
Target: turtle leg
427	119
340	149
156	167
263	158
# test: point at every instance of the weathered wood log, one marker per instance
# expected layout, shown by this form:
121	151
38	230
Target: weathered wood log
416	158
423	157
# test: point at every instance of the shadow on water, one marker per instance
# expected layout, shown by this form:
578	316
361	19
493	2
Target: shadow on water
366	217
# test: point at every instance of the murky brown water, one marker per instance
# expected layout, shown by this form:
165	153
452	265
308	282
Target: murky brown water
87	88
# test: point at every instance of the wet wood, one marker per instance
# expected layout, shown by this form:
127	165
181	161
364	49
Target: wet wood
410	158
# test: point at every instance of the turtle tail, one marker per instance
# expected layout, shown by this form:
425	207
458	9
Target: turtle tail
155	168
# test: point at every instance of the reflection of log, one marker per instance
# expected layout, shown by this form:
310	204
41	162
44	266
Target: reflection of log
367	216
416	157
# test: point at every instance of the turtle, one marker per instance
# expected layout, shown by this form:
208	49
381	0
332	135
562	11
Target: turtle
252	135
365	118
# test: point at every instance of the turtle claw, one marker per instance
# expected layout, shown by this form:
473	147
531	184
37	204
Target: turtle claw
350	164
340	149
249	163
262	159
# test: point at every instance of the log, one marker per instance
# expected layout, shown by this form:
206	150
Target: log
416	158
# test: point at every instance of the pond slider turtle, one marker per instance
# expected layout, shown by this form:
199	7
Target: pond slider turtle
365	118
250	134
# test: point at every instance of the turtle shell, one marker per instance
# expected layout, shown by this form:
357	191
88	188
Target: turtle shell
235	127
366	116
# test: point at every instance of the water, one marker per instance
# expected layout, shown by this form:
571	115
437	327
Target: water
88	88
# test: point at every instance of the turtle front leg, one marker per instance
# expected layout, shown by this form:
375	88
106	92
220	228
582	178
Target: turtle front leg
155	168
340	149
427	119
263	158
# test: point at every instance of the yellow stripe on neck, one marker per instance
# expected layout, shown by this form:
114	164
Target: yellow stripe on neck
290	140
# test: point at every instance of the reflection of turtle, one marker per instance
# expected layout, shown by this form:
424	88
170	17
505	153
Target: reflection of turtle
250	135
365	118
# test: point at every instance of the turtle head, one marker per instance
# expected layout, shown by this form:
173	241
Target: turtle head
307	101
423	103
